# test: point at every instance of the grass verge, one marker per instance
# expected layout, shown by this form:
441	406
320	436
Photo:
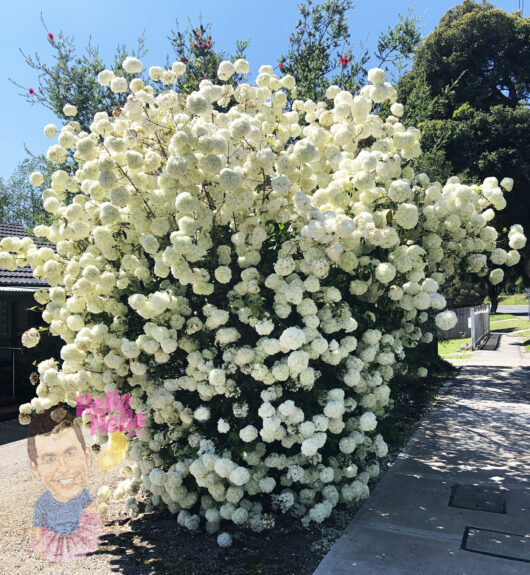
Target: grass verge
526	339
514	299
501	316
509	326
452	345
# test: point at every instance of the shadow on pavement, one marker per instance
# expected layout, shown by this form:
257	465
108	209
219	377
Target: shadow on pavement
11	430
457	443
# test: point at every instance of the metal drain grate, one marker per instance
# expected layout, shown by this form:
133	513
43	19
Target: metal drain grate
496	543
478	498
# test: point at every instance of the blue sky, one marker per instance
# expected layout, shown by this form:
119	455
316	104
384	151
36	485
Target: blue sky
266	24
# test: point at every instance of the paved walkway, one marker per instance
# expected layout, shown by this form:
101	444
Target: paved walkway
477	436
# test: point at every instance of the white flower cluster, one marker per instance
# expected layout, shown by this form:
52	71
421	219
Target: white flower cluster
30	338
252	275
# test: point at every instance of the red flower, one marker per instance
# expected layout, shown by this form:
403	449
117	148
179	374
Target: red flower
344	61
50	36
281	65
31	91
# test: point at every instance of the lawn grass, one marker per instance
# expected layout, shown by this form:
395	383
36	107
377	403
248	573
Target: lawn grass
501	316
509	326
526	339
451	345
463	356
515	299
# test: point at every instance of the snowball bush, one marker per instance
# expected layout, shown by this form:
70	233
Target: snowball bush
253	275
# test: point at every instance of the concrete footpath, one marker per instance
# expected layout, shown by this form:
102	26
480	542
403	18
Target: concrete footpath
457	499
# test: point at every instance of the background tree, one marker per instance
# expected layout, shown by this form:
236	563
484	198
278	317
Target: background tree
20	202
468	92
72	78
195	47
320	51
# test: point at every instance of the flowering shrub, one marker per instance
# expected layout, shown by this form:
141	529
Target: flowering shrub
253	278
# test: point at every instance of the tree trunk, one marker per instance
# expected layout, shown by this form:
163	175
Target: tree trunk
494	302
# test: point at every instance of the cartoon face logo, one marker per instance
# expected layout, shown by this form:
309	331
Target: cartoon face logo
62	463
66	524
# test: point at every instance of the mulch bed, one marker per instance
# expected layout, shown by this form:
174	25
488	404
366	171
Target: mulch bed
154	543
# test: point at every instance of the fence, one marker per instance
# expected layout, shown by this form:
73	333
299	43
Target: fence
480	324
472	322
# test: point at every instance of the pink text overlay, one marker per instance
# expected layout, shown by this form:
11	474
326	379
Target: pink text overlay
100	407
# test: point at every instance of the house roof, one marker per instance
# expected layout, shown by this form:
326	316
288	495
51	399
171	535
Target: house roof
22	277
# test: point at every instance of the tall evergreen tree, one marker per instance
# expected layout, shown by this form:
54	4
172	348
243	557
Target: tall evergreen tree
468	92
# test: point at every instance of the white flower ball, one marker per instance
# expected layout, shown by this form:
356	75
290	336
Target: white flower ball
248	433
217	377
202	413
223	274
513	258
397	109
496	276
292	338
118	85
25	408
50	130
446	320
367	421
517	241
69	110
507	184
241	66
224	540
30	338
36	179
223	426
385	272
498	256
407	216
132	65
376	76
239	476
105	77
225	71
178	68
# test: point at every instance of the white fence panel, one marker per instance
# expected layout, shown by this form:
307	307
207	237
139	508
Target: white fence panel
480	324
472	322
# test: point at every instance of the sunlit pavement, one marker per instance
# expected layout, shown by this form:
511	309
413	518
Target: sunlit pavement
473	450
